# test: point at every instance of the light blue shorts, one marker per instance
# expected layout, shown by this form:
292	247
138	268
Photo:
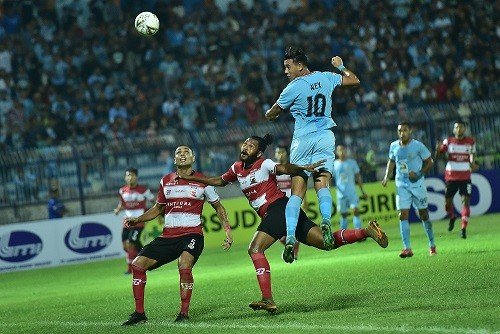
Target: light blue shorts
314	147
407	195
346	202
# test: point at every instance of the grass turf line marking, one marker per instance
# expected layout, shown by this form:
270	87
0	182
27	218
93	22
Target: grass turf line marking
297	326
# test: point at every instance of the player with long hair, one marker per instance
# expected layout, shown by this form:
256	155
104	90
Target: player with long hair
257	178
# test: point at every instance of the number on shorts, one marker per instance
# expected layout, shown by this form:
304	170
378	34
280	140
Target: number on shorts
469	189
191	244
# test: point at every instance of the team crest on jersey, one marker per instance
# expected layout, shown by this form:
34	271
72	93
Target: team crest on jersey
252	178
167	192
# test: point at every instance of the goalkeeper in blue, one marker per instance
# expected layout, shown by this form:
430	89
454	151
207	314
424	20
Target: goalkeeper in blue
412	161
308	97
347	175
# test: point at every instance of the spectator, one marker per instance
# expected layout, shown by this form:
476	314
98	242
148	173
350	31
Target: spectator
55	207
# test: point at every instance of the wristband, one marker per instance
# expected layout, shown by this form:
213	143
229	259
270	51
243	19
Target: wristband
341	68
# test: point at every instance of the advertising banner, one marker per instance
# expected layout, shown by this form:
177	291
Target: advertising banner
28	246
53	242
91	237
380	205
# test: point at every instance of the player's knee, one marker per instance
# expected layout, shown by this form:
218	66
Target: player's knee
253	249
466	200
140	262
355	211
403	215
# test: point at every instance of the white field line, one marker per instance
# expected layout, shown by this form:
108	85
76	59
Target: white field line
269	326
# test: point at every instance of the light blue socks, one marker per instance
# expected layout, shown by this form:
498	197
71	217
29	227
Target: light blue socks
325	203
430	234
292	212
404	228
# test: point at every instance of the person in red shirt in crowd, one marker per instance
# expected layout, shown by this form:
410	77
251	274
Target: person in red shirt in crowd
459	151
133	198
181	202
257	178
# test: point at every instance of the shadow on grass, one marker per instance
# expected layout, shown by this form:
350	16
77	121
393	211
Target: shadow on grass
328	303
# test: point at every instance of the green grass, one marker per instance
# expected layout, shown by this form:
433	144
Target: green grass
359	288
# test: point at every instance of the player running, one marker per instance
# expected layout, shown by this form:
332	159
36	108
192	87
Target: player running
412	161
133	198
257	178
347	175
182	203
460	151
309	98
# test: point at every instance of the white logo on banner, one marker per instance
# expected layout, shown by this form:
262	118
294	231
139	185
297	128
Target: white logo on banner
7	251
76	242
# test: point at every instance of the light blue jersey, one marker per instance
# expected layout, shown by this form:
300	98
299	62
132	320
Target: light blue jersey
345	182
309	99
345	176
408	158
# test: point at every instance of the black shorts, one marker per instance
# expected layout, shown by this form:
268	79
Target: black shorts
464	188
125	233
274	222
165	250
134	236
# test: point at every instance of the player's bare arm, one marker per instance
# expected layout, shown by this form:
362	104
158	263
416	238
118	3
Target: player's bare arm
426	166
439	152
274	112
359	182
152	213
216	181
389	169
118	208
222	214
292	169
348	78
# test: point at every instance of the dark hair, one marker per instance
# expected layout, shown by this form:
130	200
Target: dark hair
132	170
459	121
263	141
405	124
297	55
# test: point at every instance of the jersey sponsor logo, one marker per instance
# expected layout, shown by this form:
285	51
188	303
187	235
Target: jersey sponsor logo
19	246
88	237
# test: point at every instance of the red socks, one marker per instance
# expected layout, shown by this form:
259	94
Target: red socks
344	237
186	289
465	216
138	286
263	274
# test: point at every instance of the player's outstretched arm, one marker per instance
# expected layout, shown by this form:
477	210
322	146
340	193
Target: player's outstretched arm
222	214
349	78
152	213
292	169
274	112
216	181
388	171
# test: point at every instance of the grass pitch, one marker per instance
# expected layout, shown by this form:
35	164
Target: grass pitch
359	288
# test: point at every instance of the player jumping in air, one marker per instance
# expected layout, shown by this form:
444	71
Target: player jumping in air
257	178
182	203
133	197
460	152
347	175
412	161
308	96
285	185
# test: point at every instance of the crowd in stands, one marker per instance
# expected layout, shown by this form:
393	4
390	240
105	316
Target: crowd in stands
77	71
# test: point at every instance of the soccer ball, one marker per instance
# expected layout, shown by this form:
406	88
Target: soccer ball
147	23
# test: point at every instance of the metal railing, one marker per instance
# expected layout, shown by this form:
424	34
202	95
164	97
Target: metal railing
97	169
